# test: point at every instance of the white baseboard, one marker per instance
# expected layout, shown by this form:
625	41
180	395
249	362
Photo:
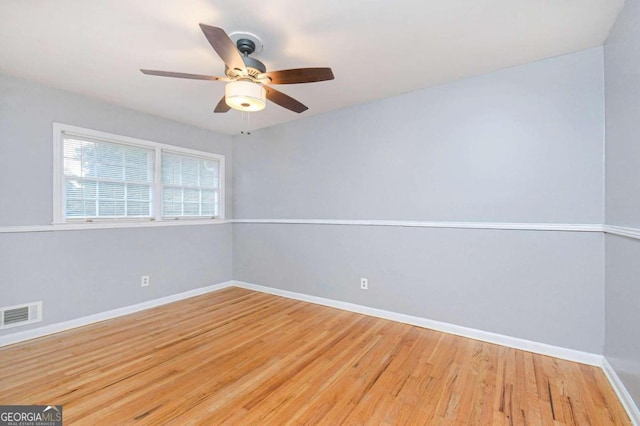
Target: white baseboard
624	396
500	339
485	336
21	336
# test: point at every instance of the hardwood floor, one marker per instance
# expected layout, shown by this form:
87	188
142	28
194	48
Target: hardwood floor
242	357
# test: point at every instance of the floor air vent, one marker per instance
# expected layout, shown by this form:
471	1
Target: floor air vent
13	316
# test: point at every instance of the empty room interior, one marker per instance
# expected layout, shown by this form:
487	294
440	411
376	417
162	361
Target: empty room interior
342	212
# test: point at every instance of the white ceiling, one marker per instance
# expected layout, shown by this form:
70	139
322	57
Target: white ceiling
377	48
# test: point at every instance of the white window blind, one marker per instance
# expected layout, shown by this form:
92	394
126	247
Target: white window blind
190	186
106	180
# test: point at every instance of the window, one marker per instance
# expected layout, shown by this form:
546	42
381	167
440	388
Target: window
99	176
106	180
189	186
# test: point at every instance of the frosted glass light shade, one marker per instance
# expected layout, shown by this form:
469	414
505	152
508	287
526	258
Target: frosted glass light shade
245	96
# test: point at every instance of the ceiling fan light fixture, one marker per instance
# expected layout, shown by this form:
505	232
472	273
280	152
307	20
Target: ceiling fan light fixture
245	96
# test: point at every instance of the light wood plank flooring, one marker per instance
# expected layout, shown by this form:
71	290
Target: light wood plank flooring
242	357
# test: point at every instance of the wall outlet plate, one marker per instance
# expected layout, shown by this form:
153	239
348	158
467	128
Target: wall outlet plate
144	280
364	284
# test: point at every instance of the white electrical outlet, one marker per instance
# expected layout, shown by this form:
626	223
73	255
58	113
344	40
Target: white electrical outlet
364	284
144	281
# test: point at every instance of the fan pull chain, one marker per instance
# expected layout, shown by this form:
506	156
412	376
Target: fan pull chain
247	130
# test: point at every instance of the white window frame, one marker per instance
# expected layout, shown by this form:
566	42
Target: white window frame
59	211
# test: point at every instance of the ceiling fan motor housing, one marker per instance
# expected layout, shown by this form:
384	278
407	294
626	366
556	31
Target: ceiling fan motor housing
254	66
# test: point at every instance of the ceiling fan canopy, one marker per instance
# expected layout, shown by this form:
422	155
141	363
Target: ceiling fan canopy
247	78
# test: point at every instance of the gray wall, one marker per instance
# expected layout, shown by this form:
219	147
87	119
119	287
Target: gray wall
622	324
541	286
26	113
78	273
519	145
622	307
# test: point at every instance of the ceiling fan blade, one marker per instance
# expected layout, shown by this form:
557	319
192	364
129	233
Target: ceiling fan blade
224	47
222	106
284	101
183	75
300	75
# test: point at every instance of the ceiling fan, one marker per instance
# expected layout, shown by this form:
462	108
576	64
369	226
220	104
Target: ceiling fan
247	78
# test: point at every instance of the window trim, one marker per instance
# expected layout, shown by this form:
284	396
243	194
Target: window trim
59	216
